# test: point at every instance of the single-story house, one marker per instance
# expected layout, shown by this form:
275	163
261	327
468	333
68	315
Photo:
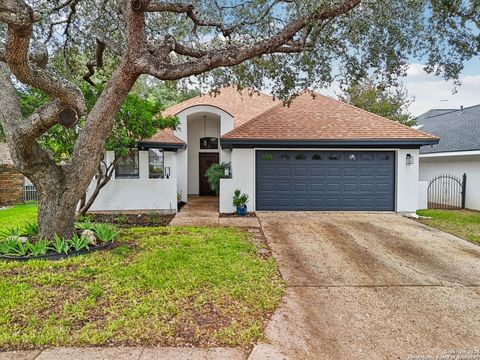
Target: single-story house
458	152
315	154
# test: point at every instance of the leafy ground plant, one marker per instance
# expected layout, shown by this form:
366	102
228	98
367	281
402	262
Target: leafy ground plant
105	232
159	286
59	245
78	242
39	247
8	245
30	229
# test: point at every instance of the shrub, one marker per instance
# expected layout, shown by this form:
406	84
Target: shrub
105	232
214	173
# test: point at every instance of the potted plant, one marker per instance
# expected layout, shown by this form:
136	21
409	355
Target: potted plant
240	202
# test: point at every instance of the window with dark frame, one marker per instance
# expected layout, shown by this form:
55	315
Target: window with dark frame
127	165
209	143
156	168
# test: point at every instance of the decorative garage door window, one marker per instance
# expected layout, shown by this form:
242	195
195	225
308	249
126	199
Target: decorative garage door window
325	180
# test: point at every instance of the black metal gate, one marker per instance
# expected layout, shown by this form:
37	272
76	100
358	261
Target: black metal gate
447	192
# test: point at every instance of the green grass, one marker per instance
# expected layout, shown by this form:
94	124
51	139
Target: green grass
462	223
159	286
17	216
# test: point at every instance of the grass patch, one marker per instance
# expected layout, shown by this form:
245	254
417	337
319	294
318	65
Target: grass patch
18	216
461	223
159	286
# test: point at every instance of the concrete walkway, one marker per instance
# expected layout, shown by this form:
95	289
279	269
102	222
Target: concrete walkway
127	353
370	286
203	211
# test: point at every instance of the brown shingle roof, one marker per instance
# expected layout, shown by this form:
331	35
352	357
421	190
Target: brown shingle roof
322	118
165	136
242	106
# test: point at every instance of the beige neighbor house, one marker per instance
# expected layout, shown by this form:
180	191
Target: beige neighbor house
316	154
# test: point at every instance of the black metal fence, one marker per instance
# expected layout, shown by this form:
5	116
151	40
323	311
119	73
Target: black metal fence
447	192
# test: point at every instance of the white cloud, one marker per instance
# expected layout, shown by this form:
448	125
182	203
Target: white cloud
433	92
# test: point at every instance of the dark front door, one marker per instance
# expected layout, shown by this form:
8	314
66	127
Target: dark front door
206	160
325	180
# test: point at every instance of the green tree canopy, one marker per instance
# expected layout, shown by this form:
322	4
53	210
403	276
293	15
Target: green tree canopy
387	101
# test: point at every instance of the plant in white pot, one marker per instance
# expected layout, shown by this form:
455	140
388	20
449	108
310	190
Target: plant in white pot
240	202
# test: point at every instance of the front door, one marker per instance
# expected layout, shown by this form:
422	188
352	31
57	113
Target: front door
206	160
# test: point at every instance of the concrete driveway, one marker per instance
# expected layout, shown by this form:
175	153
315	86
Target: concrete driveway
370	286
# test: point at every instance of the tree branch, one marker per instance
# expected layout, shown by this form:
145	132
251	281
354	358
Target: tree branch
236	54
16	56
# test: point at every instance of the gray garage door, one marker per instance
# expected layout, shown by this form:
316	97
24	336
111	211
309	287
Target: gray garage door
325	180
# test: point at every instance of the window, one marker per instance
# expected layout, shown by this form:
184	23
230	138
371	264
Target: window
155	163
209	143
383	156
300	157
267	156
127	166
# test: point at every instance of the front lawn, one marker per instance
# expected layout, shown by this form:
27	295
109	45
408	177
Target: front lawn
462	223
17	216
159	286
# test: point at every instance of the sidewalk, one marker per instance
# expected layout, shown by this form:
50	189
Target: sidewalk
127	353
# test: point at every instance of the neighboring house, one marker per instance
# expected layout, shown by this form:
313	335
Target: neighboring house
11	181
458	151
316	154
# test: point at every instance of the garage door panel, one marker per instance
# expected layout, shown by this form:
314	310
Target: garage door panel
300	171
325	180
314	187
300	187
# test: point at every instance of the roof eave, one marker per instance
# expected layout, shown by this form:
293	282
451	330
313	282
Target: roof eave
161	145
361	143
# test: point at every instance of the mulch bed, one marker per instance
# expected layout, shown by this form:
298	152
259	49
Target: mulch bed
130	220
234	215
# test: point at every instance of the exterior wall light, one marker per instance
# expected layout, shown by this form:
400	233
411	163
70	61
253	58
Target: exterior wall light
409	159
227	171
167	172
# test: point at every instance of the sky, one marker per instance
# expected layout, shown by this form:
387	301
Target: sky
432	92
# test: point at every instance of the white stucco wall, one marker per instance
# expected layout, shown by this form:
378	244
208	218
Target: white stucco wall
457	166
139	194
243	178
407	181
187	160
422	195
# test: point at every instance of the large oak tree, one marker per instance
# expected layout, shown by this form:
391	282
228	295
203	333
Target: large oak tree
248	42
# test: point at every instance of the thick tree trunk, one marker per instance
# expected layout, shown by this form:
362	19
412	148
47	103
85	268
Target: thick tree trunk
56	213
